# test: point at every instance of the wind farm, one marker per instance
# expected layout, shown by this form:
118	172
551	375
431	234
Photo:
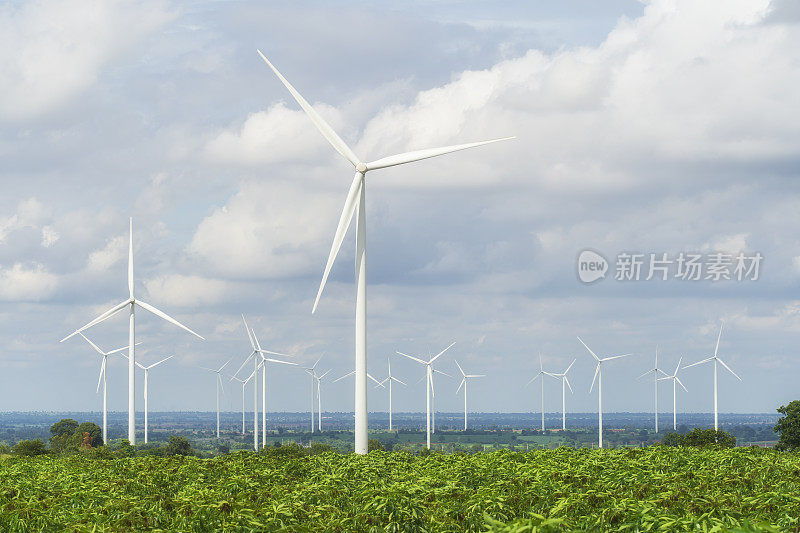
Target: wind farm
609	192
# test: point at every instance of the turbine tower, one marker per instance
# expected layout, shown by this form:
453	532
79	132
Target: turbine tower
716	360
564	384
243	383
102	377
146	373
655	371
598	376
310	371
537	376
319	396
463	383
390	378
131	303
429	392
675	379
356	203
218	372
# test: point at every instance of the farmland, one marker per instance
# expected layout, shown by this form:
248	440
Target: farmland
655	488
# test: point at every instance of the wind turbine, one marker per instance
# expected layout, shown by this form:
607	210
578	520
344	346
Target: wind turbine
655	371
564	384
310	371
319	396
131	303
463	383
390	378
102	378
356	203
720	361
675	379
429	386
598	372
243	382
537	376
218	372
146	372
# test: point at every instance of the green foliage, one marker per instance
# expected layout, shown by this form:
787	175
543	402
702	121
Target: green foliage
701	438
178	445
789	426
29	448
65	443
95	433
64	427
318	448
672	439
124	449
374	445
282	489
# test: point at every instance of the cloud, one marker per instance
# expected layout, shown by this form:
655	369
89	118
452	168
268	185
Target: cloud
187	291
114	250
22	283
30	213
50	51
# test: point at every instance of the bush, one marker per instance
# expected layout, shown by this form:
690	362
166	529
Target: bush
374	445
673	439
178	446
5	449
64	427
29	448
318	448
95	434
708	438
124	449
789	427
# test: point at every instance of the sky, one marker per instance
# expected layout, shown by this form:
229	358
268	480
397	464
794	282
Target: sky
663	127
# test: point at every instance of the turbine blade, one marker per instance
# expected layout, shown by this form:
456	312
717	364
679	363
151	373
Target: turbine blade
375	380
718	338
440	353
678	367
323	375
221	386
412	357
323	127
643	375
137	363
400	381
416	155
245	362
484	375
617	356
681	384
459	368
596	371
108	314
161	314
345	376
590	350
249	335
223	366
568	385
100	377
165	359
130	260
279	361
112	352
350	205
569	367
532	379
430	379
463	380
699	362
729	369
96	348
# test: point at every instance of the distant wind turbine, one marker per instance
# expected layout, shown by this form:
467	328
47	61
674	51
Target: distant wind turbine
218	372
319	396
131	303
464	378
598	373
429	392
655	371
564	384
389	379
102	377
675	379
716	360
537	376
243	383
146	373
356	203
310	370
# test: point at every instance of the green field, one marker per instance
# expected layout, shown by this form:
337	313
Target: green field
651	489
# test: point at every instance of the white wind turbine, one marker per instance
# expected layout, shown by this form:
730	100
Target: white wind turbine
318	379
389	379
356	203
251	333
655	371
131	303
102	377
675	379
429	370
218	372
564	384
463	383
537	376
716	360
598	373
310	370
243	383
146	373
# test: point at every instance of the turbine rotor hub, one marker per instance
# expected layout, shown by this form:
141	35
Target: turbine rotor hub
362	168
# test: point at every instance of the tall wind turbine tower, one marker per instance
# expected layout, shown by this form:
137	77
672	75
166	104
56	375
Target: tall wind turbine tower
218	372
716	360
464	378
655	371
389	379
675	379
598	376
564	384
356	203
541	375
131	303
146	374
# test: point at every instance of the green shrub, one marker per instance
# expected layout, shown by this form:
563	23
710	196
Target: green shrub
29	448
178	445
789	426
374	445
